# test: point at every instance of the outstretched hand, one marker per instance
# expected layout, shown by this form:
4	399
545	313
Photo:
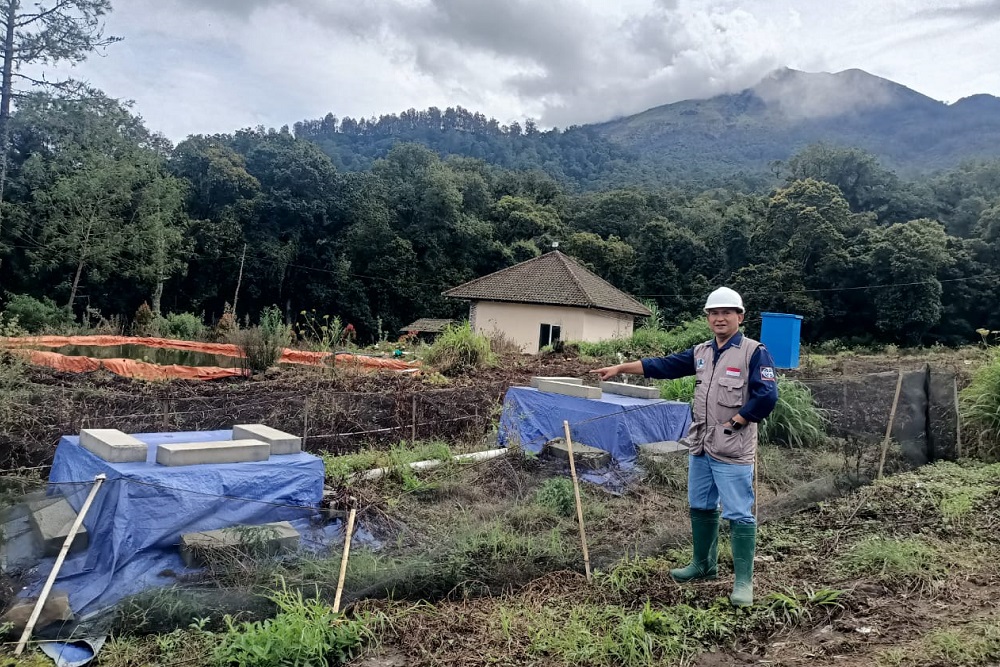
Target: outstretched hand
607	372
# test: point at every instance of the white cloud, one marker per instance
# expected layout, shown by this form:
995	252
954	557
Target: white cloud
204	66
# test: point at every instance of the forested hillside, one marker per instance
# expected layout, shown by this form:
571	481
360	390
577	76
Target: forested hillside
696	142
101	215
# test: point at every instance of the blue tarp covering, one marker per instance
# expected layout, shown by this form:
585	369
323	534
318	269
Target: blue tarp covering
142	509
616	424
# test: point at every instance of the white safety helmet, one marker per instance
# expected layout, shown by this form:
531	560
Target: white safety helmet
724	298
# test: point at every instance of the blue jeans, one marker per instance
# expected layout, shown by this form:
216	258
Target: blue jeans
710	481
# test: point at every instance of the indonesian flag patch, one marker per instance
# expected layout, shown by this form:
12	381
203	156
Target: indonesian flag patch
767	373
732	372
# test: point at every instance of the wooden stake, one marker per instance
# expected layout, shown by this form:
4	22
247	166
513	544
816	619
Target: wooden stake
756	463
343	560
413	427
888	427
305	423
579	505
239	280
67	543
958	421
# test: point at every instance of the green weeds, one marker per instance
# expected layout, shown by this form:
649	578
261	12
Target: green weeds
306	631
556	495
650	341
460	348
910	562
796	420
980	411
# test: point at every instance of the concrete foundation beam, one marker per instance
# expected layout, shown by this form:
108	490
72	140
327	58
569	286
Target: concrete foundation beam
535	380
223	451
268	539
113	446
660	451
55	610
567	389
583	455
281	442
51	520
633	390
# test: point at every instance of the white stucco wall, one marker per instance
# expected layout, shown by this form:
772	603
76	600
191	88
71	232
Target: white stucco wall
520	322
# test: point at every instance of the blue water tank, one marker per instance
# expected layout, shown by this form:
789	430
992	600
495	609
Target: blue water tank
780	333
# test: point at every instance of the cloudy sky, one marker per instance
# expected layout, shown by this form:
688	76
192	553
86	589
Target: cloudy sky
206	66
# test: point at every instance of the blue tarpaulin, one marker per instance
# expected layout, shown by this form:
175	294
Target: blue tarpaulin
616	424
139	514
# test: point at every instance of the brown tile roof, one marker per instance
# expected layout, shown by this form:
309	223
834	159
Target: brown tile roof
552	279
426	325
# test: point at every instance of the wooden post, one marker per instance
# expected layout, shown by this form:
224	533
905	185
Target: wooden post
958	421
343	560
579	506
305	423
239	280
67	543
413	426
888	427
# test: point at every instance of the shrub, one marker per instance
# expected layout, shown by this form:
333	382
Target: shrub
651	341
321	334
145	322
556	494
459	347
36	315
262	345
184	326
227	324
795	421
980	411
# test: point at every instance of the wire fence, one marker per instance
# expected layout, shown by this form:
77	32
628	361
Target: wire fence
33	420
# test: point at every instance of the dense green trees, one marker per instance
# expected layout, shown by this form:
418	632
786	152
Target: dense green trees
104	214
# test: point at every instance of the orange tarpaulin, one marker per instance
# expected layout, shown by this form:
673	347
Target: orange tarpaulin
148	371
128	367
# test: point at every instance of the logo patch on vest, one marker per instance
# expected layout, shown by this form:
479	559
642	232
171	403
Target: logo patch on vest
732	372
700	364
767	373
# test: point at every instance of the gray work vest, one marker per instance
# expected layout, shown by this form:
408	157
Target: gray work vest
720	391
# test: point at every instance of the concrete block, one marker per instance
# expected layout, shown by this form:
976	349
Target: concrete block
633	390
113	446
567	389
583	455
281	442
660	451
535	380
267	539
222	451
55	610
51	520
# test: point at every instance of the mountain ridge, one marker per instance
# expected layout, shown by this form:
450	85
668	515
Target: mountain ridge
715	137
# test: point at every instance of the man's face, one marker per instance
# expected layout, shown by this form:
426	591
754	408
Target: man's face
724	321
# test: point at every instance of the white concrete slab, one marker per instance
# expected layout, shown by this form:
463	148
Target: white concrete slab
567	389
51	520
222	451
633	390
269	538
281	442
113	446
535	380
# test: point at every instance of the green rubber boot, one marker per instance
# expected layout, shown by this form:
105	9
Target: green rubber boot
743	537
705	535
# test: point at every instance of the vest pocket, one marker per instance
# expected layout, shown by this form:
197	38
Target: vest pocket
731	446
730	394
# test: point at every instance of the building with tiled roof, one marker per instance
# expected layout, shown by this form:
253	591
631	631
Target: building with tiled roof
547	299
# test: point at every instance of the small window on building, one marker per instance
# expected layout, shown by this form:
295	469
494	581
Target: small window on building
548	334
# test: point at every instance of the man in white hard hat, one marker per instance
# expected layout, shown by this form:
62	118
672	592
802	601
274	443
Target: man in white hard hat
735	389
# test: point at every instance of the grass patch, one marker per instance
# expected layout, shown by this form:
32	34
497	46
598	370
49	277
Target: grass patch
895	562
796	421
681	389
339	469
980	411
460	348
973	645
650	341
